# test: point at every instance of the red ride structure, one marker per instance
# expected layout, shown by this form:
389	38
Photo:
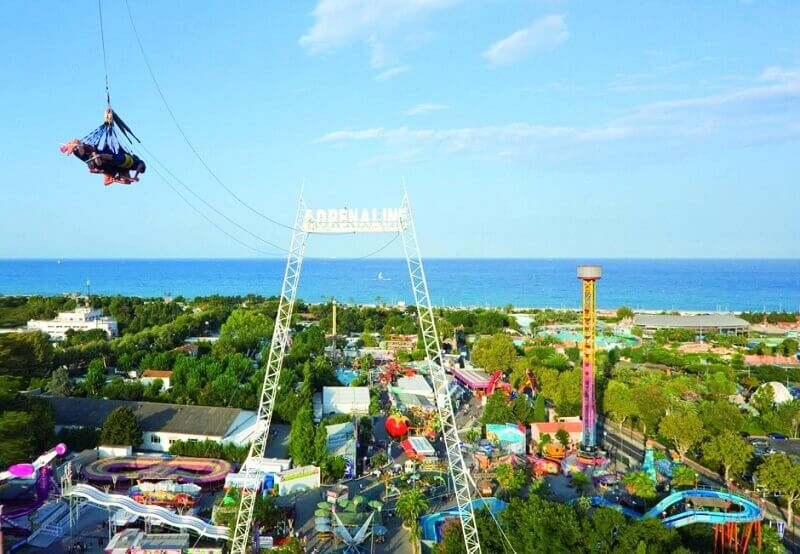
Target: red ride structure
397	426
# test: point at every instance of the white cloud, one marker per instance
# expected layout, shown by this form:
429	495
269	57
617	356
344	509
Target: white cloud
426	107
342	22
543	34
393	72
766	111
467	137
377	59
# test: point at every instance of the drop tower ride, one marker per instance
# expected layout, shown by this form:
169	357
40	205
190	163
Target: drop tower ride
589	275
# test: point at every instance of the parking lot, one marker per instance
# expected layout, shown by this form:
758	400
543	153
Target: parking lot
766	446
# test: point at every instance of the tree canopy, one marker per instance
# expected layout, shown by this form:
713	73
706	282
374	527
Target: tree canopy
121	428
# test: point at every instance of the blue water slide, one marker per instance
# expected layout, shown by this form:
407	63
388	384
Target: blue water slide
750	511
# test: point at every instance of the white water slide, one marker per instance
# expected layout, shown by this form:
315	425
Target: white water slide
156	513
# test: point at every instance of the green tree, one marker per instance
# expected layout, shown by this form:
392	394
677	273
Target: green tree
562	436
539	409
472	435
639	484
764	399
521	410
496	409
568	394
684	430
411	504
292	546
95	377
320	444
121	428
25	354
683	477
60	383
18	444
780	473
495	353
538	525
720	415
727	449
651	404
624	312
511	479
581	482
618	402
243	332
301	438
649	536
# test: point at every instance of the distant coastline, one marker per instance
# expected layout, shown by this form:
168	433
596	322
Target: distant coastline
681	284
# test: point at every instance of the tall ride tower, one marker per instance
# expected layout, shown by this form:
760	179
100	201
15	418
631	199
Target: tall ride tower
589	274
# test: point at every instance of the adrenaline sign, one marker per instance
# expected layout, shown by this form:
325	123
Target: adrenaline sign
356	220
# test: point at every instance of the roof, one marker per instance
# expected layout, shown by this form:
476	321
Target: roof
133	538
157	373
152	416
421	444
337	396
473	377
416	384
568	426
689	321
780	393
410	400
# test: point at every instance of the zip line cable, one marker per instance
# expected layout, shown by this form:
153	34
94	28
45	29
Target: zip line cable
203	215
211	221
183	134
209	205
185	137
379	250
103	43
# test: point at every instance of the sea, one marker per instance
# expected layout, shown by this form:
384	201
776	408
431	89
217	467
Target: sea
655	284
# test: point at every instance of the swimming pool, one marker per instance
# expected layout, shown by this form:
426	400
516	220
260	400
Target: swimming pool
346	376
620	341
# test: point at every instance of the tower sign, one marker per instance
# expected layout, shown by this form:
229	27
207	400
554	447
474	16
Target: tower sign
355	220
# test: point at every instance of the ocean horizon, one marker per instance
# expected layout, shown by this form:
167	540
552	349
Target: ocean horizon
701	284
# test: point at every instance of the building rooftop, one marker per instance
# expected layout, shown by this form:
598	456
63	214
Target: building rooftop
152	416
136	538
157	373
689	321
416	384
338	396
568	426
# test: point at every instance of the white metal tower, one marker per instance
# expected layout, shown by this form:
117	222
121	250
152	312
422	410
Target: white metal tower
335	221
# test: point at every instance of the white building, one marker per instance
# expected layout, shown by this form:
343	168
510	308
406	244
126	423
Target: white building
345	400
416	384
161	424
150	375
79	319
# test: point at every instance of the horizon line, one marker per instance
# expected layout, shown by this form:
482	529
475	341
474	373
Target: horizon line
454	258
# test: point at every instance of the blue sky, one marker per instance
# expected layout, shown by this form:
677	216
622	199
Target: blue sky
522	128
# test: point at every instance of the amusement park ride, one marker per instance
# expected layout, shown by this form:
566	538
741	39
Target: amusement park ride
589	274
340	221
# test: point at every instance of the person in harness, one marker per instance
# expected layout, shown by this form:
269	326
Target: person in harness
116	167
102	153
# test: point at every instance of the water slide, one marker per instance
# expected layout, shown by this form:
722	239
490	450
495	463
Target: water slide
157	513
704	507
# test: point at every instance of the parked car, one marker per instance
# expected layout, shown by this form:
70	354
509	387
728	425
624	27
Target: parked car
778	436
